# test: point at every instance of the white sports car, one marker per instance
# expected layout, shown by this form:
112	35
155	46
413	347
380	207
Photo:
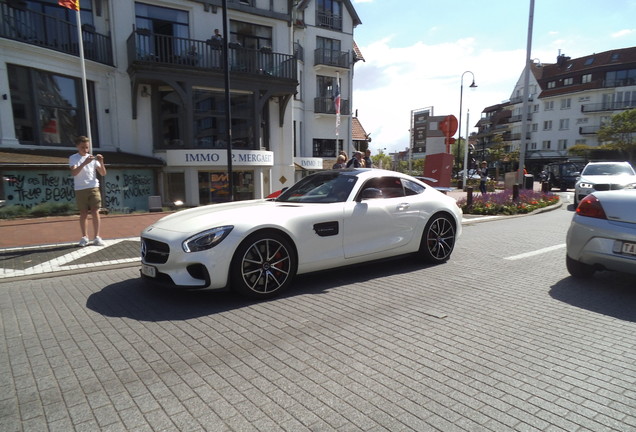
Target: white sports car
326	220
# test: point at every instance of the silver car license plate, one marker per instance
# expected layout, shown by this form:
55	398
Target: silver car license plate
629	248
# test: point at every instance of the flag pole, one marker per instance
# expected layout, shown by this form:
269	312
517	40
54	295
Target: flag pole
337	101
84	84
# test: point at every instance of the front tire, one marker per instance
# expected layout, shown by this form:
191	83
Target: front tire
263	266
578	269
438	239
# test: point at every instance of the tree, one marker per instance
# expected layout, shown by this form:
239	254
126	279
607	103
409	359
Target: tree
382	160
619	133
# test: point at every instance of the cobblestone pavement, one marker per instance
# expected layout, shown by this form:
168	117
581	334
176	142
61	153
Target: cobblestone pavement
497	339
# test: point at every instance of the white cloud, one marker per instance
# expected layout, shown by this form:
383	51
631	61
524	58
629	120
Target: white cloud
394	81
623	33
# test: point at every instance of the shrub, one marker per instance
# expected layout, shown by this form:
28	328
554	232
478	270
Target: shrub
52	209
13	212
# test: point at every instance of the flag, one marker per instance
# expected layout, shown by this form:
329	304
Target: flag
71	4
336	103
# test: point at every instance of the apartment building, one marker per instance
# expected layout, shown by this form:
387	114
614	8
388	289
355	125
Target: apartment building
155	79
568	103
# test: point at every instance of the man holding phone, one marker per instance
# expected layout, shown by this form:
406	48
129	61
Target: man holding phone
84	168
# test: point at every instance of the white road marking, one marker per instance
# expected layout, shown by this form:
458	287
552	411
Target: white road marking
62	262
536	252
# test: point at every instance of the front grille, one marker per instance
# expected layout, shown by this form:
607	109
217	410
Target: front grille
154	252
608	186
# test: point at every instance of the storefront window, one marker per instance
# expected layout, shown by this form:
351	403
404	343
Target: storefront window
48	109
214	186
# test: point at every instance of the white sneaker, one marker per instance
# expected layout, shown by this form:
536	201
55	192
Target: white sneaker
98	241
83	242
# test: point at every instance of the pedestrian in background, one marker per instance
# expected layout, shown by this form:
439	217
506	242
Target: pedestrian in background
368	163
84	168
355	161
341	162
483	177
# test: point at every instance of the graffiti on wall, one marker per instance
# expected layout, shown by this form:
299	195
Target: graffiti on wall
124	191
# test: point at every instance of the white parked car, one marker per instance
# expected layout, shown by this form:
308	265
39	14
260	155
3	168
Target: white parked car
326	220
602	176
602	235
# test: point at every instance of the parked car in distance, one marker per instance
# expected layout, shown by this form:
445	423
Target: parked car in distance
562	175
602	234
328	219
603	176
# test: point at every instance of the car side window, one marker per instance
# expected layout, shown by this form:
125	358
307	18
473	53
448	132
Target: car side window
388	187
412	188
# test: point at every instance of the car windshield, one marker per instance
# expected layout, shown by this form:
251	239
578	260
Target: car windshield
608	169
327	187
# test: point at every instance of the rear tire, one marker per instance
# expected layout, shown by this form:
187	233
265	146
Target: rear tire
438	239
578	269
263	266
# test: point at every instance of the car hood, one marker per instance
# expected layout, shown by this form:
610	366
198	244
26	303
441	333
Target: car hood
197	219
622	179
619	205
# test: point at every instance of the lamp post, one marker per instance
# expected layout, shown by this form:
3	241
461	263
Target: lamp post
459	125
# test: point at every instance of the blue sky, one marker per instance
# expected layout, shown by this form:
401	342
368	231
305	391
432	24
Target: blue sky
416	52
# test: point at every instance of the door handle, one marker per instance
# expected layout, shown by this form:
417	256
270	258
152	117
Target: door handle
403	206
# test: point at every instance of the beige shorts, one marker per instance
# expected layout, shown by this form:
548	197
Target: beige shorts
88	199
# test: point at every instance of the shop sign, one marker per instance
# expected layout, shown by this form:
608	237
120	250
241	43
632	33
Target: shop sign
309	163
218	157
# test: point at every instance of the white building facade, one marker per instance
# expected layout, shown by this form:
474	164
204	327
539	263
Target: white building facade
156	89
569	101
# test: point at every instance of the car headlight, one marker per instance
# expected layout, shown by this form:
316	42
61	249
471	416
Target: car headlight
206	239
586	185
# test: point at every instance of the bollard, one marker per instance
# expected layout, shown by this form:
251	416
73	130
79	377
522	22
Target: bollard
469	196
515	192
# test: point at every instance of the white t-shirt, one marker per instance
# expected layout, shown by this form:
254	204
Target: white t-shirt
87	178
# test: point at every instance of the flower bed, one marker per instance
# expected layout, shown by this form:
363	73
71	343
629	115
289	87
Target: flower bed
502	202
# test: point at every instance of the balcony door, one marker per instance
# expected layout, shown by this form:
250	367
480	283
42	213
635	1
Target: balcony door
166	30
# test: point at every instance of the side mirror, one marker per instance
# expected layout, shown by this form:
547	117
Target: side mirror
370	193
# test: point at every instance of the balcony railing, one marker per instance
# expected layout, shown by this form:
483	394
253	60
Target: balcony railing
147	48
589	130
325	105
328	19
608	106
518	118
35	28
331	58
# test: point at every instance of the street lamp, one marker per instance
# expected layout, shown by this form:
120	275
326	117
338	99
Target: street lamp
459	125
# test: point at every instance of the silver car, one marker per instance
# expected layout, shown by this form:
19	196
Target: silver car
602	234
603	176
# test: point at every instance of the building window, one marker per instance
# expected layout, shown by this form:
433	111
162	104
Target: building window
586	78
48	108
551	84
535	127
547	125
548	105
566	103
329	14
564	124
568	81
328	51
620	78
546	145
251	36
324	148
563	144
